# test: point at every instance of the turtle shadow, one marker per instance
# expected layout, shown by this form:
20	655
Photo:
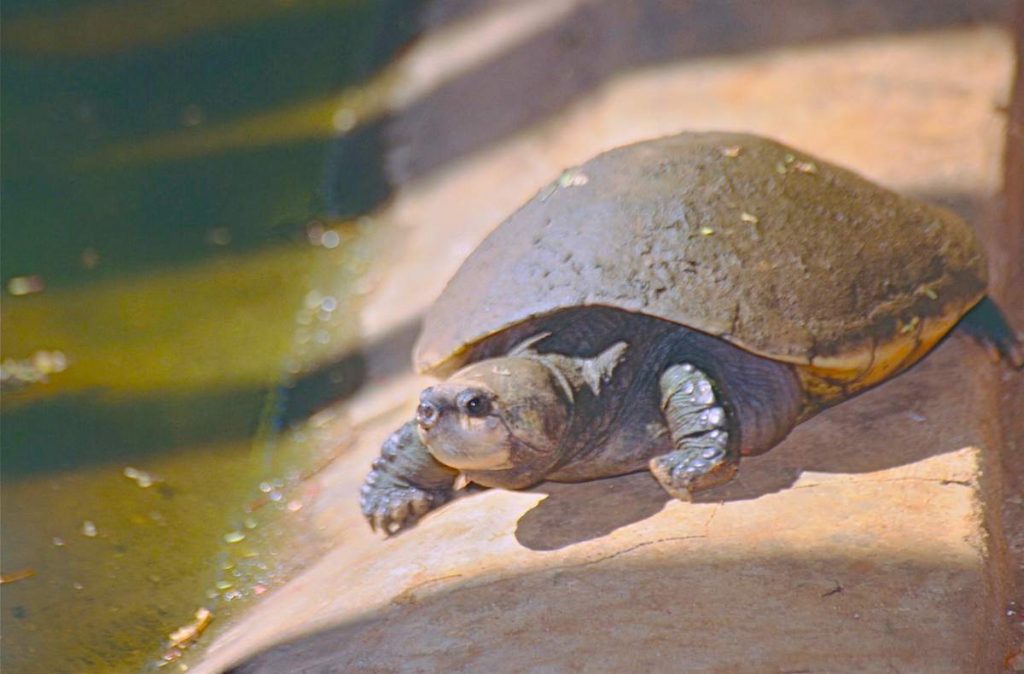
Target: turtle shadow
573	513
939	406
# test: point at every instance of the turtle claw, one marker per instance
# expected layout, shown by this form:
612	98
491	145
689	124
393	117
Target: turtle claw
390	505
405	482
686	471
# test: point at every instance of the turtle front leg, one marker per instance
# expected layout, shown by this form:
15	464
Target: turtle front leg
405	483
704	456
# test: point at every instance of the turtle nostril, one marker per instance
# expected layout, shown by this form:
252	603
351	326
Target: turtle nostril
426	414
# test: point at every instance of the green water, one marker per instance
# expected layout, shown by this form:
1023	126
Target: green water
164	189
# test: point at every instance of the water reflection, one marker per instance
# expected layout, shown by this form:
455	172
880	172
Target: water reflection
160	468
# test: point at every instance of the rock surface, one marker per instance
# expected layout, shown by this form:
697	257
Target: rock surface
871	553
869	541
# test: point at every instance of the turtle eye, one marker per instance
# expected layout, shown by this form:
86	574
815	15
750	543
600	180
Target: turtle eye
475	403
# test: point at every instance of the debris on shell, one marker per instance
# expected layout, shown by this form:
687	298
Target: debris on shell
731	151
572	179
806	167
910	325
706	231
748	217
89	529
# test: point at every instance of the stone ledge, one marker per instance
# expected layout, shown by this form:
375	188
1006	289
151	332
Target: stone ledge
890	497
859	544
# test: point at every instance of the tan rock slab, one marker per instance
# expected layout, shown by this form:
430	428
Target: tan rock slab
857	545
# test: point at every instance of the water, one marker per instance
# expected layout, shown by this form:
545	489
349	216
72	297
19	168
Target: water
171	192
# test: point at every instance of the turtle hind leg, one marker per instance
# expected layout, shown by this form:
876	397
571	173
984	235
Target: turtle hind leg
989	327
705	456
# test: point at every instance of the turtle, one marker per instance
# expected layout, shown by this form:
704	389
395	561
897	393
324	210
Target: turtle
674	305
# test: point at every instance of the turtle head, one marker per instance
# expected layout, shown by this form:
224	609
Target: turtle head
500	421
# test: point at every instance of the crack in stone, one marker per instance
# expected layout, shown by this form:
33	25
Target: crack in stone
624	551
711	517
939	480
409	596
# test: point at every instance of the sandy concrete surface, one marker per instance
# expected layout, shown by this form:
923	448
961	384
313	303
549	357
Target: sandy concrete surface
871	540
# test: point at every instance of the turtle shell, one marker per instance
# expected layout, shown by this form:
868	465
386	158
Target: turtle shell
741	237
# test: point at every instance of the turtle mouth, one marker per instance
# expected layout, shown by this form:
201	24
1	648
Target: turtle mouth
467	451
460	440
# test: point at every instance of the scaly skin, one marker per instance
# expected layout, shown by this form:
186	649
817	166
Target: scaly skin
704	456
406	482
